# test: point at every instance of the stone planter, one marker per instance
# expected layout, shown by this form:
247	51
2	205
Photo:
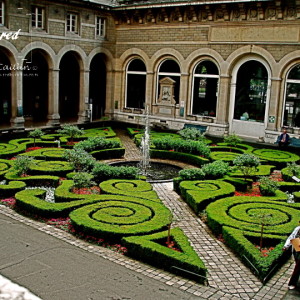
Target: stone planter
127	110
191	118
207	120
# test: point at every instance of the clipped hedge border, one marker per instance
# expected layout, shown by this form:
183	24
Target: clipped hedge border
46	180
132	188
10	189
56	168
5	166
46	154
172	155
198	194
251	256
262	170
148	249
108	153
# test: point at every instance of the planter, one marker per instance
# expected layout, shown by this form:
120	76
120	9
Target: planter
190	117
207	120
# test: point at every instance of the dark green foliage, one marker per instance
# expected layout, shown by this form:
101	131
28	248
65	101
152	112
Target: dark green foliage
215	170
79	159
191	134
178	145
22	165
57	168
103	172
97	143
83	180
268	186
108	153
11	188
152	249
247	164
232	140
192	174
187	158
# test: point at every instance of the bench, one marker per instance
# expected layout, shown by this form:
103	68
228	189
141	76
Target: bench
294	142
201	128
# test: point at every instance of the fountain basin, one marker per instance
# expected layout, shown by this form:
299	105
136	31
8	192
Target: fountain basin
158	171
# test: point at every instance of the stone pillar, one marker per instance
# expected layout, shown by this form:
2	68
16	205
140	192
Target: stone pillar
115	99
53	100
17	120
84	84
223	103
149	91
275	110
183	95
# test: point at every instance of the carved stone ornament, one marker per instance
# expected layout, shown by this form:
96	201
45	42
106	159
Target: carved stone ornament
166	94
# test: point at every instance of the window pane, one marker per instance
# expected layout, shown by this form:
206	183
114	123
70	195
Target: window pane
136	90
251	92
2	13
207	67
169	66
137	65
295	73
292	105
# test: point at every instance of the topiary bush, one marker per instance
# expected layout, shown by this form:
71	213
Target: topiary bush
79	159
247	164
268	186
191	134
97	143
22	165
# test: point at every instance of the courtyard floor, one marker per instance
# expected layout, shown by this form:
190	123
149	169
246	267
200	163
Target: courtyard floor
228	278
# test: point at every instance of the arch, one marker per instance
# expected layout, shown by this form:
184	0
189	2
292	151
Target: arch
81	56
109	59
10	50
129	55
48	52
165	53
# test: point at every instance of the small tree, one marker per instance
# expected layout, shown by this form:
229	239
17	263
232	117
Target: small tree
247	164
191	134
35	134
293	169
22	164
71	131
232	140
268	186
263	219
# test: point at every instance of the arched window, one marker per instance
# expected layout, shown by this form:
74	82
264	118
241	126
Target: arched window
136	84
205	89
291	116
251	92
169	68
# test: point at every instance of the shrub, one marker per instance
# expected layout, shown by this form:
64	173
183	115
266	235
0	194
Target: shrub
247	164
293	169
232	140
192	174
97	143
103	172
22	164
192	147
35	134
215	170
79	159
191	134
83	180
268	186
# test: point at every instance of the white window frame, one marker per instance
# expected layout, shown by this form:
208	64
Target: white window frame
2	13
35	22
72	22
100	27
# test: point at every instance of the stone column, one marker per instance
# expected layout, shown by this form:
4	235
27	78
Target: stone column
115	96
149	91
183	94
223	102
84	83
275	110
17	120
53	100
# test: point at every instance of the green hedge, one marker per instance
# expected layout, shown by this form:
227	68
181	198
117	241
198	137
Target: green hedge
132	188
34	180
10	189
276	157
224	156
152	250
46	153
242	245
198	194
5	166
108	153
185	157
235	212
120	216
262	170
244	147
57	168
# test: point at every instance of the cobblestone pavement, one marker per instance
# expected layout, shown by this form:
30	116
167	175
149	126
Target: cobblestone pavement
228	278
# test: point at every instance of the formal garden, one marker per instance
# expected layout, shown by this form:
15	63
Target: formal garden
247	196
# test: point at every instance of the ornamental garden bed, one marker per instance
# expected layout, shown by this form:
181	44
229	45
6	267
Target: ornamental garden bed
124	210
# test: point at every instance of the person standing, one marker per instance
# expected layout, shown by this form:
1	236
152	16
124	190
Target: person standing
296	273
284	139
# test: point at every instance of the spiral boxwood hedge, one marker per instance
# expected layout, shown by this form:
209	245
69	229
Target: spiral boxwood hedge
225	156
198	194
150	249
108	153
244	147
262	170
132	188
5	166
275	157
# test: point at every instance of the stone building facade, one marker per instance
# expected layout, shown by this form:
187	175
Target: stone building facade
231	65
